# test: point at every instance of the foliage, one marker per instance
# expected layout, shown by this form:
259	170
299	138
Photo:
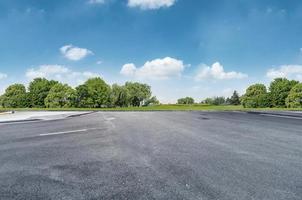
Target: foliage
235	99
38	91
214	101
152	101
60	96
279	90
294	99
186	100
15	97
138	93
119	96
94	93
256	96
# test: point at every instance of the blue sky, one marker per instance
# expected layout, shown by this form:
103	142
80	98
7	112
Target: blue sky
180	47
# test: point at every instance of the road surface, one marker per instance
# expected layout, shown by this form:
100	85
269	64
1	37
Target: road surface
153	155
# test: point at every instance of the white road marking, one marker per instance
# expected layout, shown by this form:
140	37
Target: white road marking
110	118
281	116
63	132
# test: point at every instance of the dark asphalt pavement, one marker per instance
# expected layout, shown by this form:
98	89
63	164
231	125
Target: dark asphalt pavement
153	155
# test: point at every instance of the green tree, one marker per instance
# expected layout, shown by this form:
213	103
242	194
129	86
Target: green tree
214	101
60	96
186	100
235	99
152	101
119	95
15	97
208	101
255	97
279	90
138	93
38	91
94	93
218	101
294	99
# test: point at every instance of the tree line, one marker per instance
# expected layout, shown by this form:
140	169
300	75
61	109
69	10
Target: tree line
94	93
281	93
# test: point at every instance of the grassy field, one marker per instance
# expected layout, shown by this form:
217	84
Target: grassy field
164	107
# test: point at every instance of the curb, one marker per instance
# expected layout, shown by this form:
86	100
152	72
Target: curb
286	114
20	121
81	114
7	113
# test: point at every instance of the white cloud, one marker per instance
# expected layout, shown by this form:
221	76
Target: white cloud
150	4
156	69
74	53
96	1
216	71
3	76
99	62
286	71
128	69
60	73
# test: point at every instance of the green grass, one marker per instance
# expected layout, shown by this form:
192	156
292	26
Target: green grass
163	107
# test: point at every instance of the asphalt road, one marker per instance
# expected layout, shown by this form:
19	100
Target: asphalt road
153	155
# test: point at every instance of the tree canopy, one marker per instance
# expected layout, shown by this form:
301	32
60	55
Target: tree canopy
60	96
256	96
138	93
38	91
94	93
186	100
294	99
15	97
279	90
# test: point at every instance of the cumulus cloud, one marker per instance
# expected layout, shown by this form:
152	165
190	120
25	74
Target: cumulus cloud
156	69
286	71
3	76
150	4
74	53
60	73
216	72
96	1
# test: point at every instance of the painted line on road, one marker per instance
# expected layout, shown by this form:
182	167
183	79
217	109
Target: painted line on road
110	118
281	116
64	132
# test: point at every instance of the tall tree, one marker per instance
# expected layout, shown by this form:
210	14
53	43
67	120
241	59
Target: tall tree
38	91
235	99
95	93
15	97
119	95
255	97
138	93
279	90
294	99
60	96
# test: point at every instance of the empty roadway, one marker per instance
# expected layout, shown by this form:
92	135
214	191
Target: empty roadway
153	155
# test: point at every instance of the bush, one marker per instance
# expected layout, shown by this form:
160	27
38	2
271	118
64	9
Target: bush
294	99
256	96
279	90
186	100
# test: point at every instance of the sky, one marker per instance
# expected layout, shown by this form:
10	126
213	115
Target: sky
181	48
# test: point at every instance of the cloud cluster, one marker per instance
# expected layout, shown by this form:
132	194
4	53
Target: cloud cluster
286	71
60	73
216	72
156	69
150	4
3	76
74	53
